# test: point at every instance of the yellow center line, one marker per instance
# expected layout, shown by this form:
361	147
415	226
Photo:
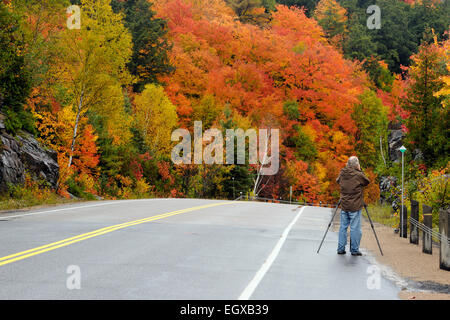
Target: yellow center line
65	242
102	229
75	237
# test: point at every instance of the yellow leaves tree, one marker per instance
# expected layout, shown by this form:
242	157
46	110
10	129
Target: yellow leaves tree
55	131
155	117
116	120
332	18
445	91
93	59
84	155
206	110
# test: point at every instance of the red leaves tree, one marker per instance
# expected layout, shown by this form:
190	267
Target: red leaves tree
255	71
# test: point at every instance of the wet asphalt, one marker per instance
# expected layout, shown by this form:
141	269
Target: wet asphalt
213	252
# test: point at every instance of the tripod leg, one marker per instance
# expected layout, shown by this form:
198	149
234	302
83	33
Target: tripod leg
371	224
350	243
329	225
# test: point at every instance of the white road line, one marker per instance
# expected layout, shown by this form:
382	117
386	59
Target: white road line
4	216
72	208
248	291
54	210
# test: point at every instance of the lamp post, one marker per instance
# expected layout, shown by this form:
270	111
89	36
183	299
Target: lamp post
402	150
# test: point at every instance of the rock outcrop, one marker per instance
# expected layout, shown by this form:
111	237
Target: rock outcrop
22	154
395	141
386	185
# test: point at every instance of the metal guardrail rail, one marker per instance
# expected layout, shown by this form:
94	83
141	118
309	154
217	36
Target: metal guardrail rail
428	230
311	204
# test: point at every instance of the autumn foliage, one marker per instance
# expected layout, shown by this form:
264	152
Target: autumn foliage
255	71
108	96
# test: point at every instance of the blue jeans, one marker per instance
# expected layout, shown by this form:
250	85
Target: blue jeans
354	220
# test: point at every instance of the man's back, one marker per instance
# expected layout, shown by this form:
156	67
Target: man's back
352	182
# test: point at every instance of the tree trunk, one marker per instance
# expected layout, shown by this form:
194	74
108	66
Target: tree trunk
72	148
381	150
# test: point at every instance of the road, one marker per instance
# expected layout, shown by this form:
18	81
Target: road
178	249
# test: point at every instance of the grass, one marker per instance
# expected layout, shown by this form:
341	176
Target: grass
30	194
8	203
382	214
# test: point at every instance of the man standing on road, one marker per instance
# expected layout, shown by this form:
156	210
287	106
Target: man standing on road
352	182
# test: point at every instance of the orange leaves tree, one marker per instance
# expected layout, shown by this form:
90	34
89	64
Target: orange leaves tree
255	71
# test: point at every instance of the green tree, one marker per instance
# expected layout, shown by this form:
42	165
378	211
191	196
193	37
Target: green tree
15	78
395	41
242	173
309	5
428	122
242	181
150	43
41	21
429	14
269	5
379	73
332	18
206	111
305	148
290	109
371	120
402	28
359	43
246	10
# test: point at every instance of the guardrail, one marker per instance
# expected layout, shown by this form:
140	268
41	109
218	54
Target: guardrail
434	234
311	204
428	234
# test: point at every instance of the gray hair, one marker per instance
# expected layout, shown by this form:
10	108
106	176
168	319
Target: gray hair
353	162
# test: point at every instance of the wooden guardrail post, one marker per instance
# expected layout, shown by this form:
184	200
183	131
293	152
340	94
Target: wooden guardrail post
427	244
444	230
414	235
404	222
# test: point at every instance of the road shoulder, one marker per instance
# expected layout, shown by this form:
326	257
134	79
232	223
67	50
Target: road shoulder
425	280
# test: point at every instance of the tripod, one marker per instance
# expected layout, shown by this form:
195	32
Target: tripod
331	221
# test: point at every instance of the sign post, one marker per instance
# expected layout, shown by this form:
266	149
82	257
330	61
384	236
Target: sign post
290	194
233	189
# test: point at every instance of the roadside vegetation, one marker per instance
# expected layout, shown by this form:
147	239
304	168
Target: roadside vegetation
31	194
430	189
107	96
383	214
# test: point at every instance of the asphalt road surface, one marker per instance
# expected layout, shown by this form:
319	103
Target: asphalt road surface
179	249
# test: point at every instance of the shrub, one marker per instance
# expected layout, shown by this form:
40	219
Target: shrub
77	187
30	193
433	190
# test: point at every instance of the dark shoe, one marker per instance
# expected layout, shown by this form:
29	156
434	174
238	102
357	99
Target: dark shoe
341	252
357	253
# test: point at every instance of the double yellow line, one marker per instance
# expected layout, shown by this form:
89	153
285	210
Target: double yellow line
65	242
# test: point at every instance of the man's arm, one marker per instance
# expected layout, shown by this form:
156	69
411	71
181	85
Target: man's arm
364	180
